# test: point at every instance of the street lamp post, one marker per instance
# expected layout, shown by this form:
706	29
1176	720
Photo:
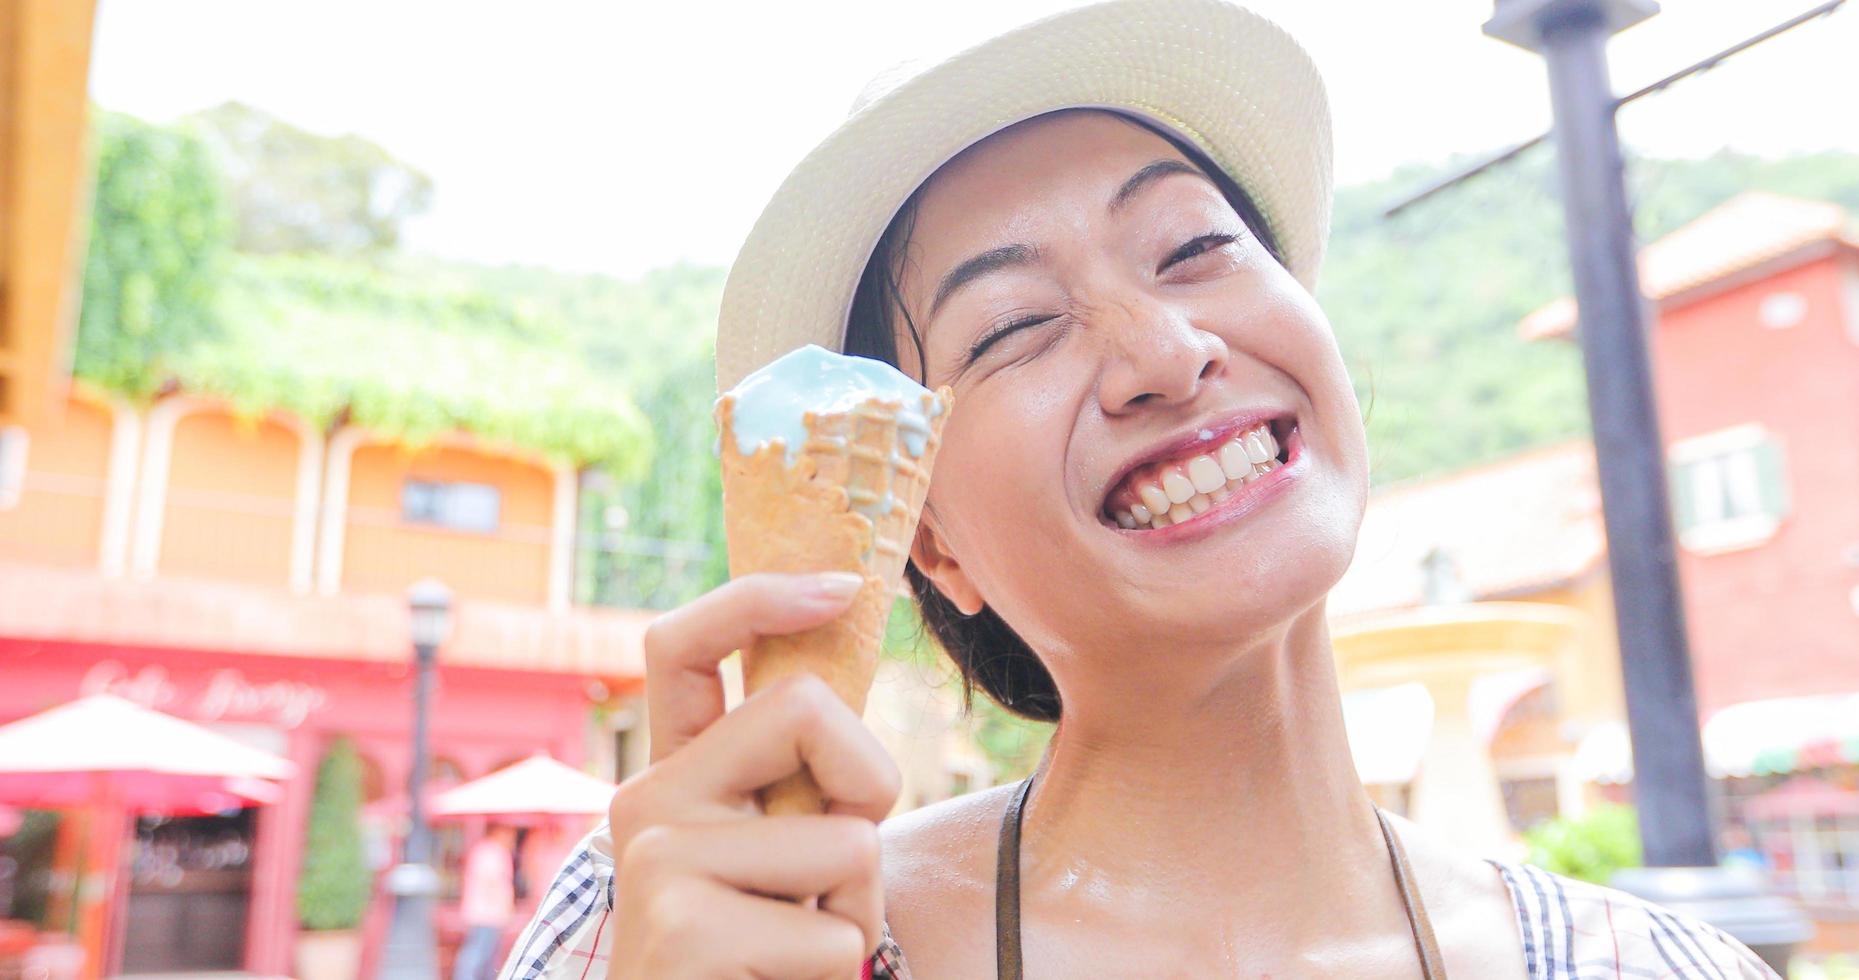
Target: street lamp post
411	951
1669	783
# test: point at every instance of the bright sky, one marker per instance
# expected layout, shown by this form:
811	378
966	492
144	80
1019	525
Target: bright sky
615	136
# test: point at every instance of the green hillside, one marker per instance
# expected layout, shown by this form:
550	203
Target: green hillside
1426	304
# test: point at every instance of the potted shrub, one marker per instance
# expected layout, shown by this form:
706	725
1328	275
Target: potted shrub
332	891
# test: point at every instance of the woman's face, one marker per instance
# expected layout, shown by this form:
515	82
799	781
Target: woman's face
1112	332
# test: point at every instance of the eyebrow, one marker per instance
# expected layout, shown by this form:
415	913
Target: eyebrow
1006	256
1149	174
992	260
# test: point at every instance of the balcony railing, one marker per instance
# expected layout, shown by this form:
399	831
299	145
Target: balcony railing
635	572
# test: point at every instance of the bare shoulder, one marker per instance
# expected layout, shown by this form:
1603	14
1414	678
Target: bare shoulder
939	882
1471	909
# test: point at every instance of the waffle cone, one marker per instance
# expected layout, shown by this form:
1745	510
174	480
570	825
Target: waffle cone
810	517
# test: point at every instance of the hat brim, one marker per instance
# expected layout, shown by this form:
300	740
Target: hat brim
1226	79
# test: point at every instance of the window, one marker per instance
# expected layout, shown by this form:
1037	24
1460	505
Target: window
459	506
1530	801
1729	489
12	465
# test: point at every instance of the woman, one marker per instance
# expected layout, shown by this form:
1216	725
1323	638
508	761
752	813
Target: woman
1155	471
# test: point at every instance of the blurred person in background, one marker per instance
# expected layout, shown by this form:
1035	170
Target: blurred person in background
487	901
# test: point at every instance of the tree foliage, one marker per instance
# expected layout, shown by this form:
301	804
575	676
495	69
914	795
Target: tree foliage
332	890
389	348
296	191
159	235
1426	305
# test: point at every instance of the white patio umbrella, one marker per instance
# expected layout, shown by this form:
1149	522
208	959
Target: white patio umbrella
117	759
104	749
538	786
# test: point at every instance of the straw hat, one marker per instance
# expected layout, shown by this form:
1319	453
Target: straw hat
1228	80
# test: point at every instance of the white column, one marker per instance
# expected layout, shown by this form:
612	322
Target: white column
119	487
303	517
152	489
561	536
1571	793
1457	794
340	453
14	441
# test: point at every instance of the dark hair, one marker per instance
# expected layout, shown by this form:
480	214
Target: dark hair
985	649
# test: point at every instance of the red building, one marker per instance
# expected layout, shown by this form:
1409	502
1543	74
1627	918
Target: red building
1756	358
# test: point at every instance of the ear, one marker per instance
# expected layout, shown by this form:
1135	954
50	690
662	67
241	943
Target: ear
933	559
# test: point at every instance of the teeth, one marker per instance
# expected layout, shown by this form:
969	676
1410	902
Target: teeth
1205	474
1206	480
1233	460
1154	498
1255	448
1177	487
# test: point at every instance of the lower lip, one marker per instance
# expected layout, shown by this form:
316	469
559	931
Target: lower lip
1248	498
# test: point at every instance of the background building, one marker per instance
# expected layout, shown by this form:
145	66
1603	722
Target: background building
1756	352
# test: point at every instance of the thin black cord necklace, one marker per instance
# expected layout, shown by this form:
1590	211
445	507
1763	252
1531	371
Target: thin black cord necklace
1007	895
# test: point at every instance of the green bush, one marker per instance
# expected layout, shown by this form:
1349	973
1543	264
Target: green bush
1591	847
332	892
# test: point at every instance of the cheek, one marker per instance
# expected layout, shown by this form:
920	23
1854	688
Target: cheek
996	486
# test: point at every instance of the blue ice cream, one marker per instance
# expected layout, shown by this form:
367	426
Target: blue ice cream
772	404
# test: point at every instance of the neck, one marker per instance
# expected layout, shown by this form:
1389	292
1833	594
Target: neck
1235	787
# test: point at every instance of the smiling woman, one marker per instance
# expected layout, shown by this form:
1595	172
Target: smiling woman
1101	231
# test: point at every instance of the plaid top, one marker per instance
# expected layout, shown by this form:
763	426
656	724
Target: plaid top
1571	931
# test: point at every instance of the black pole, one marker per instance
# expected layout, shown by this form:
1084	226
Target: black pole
411	951
419	835
1669	783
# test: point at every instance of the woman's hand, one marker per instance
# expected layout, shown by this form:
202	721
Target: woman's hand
704	884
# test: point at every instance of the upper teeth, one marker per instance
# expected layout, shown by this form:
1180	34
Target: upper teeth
1183	489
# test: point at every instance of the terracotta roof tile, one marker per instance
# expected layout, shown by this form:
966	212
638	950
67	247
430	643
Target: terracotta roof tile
1749	229
1529	521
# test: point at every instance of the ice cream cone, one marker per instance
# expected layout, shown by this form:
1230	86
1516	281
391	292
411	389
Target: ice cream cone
848	500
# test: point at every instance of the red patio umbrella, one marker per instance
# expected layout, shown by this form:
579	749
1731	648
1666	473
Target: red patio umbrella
120	760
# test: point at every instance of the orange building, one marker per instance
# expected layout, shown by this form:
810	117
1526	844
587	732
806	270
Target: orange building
248	571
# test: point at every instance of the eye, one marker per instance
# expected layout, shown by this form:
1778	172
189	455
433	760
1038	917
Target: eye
1001	332
1198	246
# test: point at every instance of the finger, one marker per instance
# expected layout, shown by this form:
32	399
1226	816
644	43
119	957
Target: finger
780	940
797	722
834	858
684	694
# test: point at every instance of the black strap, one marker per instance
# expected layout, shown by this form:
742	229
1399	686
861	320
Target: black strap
1007	888
1432	964
1007	964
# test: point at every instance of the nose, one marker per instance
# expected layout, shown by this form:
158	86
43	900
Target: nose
1156	355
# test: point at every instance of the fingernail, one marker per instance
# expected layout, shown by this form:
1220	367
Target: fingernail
835	585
